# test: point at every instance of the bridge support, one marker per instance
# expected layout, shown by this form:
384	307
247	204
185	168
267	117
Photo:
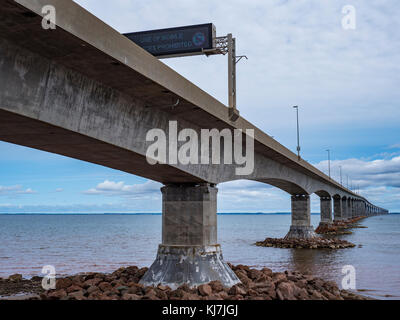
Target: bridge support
301	218
326	210
189	252
337	209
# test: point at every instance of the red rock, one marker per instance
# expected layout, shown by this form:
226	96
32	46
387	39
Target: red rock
278	277
92	289
91	282
151	295
130	296
136	289
77	295
267	271
73	288
163	288
317	296
254	274
105	286
57	294
63	283
236	290
204	290
216	286
287	290
132	270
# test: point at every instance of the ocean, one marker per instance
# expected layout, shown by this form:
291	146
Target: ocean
84	243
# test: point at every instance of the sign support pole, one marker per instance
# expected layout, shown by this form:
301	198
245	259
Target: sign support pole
233	112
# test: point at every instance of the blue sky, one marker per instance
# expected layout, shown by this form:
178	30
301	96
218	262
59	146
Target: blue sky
346	83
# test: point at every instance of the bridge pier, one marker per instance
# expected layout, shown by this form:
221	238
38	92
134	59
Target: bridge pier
326	211
301	218
337	209
189	252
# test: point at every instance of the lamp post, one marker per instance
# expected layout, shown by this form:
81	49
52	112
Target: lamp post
340	169
329	162
298	135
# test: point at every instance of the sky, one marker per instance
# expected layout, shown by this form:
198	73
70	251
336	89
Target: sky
345	81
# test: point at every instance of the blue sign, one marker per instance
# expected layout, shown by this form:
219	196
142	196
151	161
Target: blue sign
180	40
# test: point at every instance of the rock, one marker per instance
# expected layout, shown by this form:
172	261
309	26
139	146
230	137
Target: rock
57	294
63	283
15	277
267	271
92	289
204	290
286	290
122	288
130	296
136	289
216	286
236	290
257	285
91	282
163	288
77	295
36	279
105	286
151	295
73	288
317	296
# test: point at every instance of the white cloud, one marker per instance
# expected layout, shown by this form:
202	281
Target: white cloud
111	188
15	190
365	174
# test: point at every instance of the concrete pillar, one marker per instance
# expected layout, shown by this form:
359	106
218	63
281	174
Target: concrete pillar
326	210
189	252
344	208
337	209
349	209
301	218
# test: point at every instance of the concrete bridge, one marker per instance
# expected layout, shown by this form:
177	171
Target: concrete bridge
85	91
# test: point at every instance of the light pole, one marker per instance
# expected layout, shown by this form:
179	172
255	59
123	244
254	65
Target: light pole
298	135
329	162
340	168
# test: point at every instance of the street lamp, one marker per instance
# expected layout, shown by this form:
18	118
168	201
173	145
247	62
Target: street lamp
329	162
340	168
298	135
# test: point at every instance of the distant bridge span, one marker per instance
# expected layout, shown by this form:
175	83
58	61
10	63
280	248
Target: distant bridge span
85	91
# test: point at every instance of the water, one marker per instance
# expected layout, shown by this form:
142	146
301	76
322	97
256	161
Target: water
81	243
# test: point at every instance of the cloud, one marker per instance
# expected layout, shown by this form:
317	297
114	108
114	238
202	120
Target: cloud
15	190
111	188
365	174
59	190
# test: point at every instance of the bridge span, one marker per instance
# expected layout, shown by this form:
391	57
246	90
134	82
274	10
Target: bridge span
85	91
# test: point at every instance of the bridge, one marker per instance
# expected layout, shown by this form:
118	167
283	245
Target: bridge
85	91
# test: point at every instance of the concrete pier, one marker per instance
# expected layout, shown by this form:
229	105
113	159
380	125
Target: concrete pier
337	209
326	210
301	218
189	252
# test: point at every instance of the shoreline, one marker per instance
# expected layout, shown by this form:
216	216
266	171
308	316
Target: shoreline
123	284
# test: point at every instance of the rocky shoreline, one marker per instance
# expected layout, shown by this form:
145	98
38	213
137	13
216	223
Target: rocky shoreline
123	284
336	228
312	243
339	227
